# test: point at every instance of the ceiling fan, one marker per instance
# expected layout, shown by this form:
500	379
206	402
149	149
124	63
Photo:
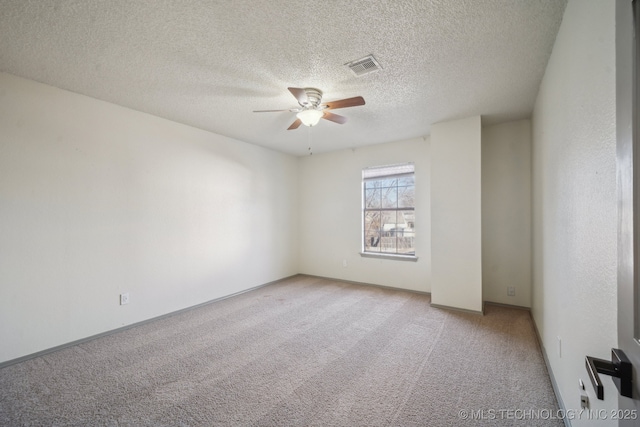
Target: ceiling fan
312	110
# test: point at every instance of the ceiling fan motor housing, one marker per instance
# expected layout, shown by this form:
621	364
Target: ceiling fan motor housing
314	96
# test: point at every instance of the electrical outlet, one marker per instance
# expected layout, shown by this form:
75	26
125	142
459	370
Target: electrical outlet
344	262
511	291
124	298
584	401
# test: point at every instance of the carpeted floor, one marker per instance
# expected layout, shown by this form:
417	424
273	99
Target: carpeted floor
302	352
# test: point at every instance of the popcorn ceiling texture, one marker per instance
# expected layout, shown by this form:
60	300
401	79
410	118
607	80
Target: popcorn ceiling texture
210	64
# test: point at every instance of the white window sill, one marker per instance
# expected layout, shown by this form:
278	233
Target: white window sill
395	257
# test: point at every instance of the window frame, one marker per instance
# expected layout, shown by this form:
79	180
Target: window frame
377	173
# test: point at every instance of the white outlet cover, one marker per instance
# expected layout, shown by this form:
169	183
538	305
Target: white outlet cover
124	298
584	401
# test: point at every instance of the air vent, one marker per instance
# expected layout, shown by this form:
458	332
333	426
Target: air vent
363	66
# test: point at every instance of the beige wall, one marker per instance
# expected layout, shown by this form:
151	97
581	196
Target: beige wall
506	212
96	200
574	201
334	206
456	227
330	214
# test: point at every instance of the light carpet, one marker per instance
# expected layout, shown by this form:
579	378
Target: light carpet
302	352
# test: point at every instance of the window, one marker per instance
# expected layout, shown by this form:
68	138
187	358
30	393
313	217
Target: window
388	213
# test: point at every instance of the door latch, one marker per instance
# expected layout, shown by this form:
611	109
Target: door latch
619	368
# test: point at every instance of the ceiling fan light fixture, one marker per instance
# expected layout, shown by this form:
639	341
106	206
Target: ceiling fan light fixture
310	117
312	110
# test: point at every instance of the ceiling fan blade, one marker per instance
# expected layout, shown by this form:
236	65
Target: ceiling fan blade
334	118
295	125
344	103
299	94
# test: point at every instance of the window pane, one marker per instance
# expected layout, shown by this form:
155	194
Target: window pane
390	197
389	222
388	216
390	182
406	197
372	184
407	218
406	180
372	199
387	232
405	243
372	231
372	241
372	221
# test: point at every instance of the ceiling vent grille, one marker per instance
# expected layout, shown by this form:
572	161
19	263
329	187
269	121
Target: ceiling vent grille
363	66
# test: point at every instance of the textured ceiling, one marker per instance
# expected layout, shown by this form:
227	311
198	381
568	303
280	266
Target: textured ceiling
210	63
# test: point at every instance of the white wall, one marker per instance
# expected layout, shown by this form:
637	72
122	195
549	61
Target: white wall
506	212
330	213
456	228
96	199
574	200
